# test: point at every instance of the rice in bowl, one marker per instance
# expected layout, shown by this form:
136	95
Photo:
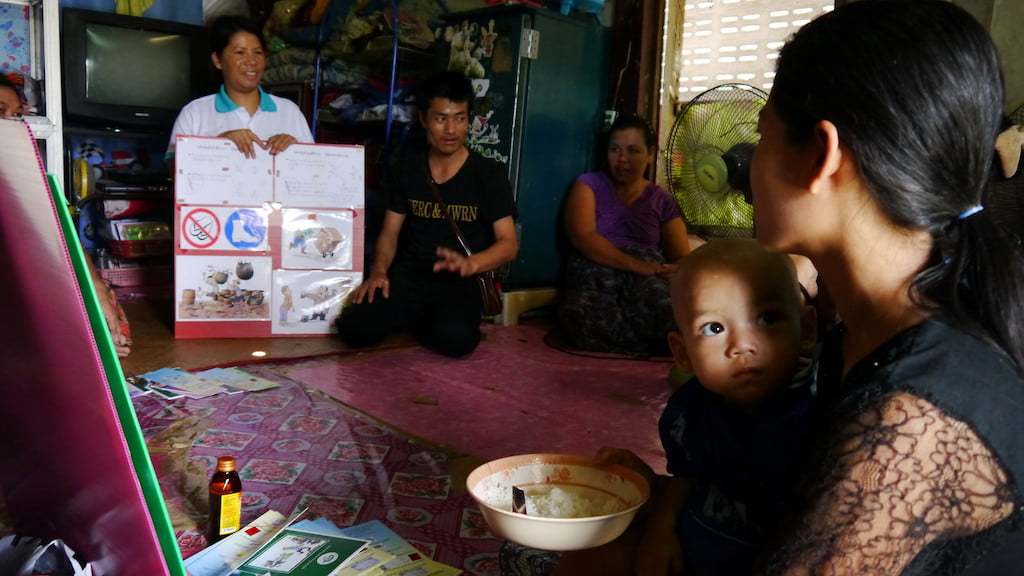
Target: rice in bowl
557	501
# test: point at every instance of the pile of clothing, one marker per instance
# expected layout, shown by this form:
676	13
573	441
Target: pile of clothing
354	42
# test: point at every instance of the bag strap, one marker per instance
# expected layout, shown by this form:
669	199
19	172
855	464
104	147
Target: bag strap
444	206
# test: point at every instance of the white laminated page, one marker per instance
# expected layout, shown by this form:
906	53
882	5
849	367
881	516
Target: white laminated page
213	171
320	176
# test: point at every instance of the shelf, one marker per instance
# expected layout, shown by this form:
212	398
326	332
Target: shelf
379	51
141	248
361	126
42	127
141	276
114	132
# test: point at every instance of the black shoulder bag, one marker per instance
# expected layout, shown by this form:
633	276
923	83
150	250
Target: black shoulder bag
487	282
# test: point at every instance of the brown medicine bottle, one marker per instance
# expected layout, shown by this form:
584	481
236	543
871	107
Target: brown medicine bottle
225	499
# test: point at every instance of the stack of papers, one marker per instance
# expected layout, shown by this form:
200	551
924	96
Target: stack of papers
388	554
173	383
276	545
238	379
301	551
223	557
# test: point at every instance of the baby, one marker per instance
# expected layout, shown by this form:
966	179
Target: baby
732	432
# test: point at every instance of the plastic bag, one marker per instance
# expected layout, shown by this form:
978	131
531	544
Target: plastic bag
26	556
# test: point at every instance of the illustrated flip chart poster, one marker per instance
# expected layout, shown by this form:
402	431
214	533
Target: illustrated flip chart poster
265	246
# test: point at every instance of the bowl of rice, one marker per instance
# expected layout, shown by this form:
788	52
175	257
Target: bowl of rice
571	502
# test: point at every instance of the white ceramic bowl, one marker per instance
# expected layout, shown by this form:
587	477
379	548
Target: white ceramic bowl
612	493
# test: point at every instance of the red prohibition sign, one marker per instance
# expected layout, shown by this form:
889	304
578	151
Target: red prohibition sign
200	228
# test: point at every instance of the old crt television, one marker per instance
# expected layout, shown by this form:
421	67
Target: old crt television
130	72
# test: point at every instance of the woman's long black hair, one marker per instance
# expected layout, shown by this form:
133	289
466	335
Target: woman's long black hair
917	97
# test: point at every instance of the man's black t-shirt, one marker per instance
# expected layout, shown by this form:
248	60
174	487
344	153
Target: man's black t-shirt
477	196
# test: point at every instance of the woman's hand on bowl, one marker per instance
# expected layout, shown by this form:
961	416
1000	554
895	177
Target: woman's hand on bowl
608	456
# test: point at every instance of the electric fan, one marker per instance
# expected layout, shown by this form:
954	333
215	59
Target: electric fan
83	183
708	160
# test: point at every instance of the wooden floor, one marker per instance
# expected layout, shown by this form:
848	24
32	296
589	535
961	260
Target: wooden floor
154	345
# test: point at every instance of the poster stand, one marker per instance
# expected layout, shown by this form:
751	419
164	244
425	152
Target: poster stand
265	246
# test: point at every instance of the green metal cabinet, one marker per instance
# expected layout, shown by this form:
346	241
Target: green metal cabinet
541	83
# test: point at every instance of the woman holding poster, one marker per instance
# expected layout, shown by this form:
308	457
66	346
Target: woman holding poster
241	110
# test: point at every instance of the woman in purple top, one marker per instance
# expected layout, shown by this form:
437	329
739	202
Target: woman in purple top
627	234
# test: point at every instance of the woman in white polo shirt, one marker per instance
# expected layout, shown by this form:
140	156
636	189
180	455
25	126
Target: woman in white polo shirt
241	110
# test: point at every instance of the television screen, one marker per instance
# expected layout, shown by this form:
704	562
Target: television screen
136	67
130	72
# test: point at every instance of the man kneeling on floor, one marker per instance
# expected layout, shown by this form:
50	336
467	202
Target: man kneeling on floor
422	279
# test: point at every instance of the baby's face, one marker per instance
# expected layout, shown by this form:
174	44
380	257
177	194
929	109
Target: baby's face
742	333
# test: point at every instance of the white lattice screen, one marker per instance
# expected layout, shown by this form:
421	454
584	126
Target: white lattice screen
737	40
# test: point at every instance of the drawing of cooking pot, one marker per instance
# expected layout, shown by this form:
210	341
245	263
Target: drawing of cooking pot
244	270
254	298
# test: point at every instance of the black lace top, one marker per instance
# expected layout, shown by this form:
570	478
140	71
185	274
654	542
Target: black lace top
914	463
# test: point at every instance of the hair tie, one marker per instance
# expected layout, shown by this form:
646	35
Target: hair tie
970	212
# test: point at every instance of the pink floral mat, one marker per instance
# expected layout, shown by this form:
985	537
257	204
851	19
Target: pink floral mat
298	448
513	395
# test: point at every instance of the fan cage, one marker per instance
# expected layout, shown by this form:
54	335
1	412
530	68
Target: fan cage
712	123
